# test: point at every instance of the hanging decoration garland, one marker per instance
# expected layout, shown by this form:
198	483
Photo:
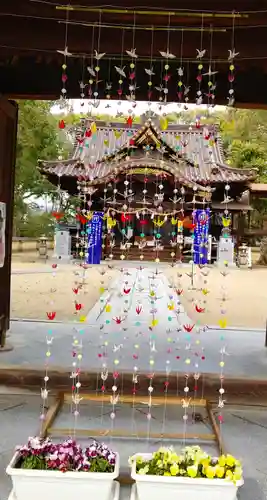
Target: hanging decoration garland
82	85
77	348
108	88
90	68
221	400
231	75
51	315
210	94
150	71
132	73
66	54
185	405
200	54
121	70
98	57
180	70
168	56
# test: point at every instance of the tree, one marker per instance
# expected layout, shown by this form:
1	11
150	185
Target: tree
39	138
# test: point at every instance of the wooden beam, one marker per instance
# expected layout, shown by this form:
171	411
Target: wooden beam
217	432
128	399
122	433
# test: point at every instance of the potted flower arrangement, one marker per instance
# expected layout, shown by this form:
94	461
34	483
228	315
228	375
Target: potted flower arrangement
192	474
43	470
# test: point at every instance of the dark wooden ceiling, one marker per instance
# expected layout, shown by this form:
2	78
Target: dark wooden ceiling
32	32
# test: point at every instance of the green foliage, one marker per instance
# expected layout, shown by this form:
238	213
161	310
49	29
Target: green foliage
193	462
39	138
35	224
34	462
101	465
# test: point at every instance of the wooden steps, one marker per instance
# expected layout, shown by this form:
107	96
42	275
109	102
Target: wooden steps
149	254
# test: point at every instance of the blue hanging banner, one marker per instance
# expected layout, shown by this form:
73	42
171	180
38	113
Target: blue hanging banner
201	219
95	238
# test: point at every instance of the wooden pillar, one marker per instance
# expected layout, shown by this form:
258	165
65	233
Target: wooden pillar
8	136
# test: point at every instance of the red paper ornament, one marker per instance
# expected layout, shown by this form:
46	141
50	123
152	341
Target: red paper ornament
75	290
188	328
125	217
118	320
51	315
138	309
88	133
132	142
78	307
81	218
61	124
54	266
129	121
200	309
57	215
126	290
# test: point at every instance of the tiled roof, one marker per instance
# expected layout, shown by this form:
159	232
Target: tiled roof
199	150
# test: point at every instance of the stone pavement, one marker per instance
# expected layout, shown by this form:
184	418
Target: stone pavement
244	434
167	344
116	334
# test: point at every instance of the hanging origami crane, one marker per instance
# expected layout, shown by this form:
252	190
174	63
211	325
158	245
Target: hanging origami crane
223	323
158	222
226	221
199	309
188	328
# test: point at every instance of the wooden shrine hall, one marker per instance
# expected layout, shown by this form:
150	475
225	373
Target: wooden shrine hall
142	167
33	50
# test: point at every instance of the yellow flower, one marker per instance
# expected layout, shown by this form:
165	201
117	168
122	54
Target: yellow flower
192	471
238	474
141	472
174	458
220	471
221	461
159	464
230	461
174	469
229	475
167	474
210	472
205	462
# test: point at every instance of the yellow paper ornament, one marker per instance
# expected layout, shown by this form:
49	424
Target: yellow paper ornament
93	128
164	123
223	323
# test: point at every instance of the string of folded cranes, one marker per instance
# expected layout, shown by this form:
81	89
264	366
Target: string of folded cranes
129	75
109	371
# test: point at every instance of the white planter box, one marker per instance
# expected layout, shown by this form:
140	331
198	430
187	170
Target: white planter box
179	488
53	485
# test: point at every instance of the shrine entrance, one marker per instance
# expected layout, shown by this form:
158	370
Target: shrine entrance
8	135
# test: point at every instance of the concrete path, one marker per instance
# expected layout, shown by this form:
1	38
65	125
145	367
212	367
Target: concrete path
243	430
115	333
